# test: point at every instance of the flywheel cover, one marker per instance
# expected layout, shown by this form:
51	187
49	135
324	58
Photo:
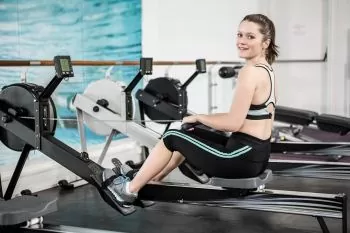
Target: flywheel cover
166	89
109	90
22	96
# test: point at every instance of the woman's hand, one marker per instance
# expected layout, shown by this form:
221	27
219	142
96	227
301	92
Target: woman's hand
190	119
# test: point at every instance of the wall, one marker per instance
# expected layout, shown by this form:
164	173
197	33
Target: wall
83	29
338	72
187	30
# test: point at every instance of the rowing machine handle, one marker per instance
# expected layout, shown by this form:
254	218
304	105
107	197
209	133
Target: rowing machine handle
191	126
188	126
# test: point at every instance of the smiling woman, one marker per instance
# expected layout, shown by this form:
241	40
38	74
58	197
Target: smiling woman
245	153
256	34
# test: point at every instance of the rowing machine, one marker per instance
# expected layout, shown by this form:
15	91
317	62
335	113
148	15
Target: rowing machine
246	193
28	122
310	158
106	108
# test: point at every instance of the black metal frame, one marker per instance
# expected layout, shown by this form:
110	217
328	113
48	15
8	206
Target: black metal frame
1	193
17	172
332	206
41	139
59	229
53	148
286	147
316	161
146	65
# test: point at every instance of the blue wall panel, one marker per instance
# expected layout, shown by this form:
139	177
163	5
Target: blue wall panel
83	29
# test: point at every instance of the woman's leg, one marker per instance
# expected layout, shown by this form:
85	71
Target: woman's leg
200	153
176	159
157	160
125	190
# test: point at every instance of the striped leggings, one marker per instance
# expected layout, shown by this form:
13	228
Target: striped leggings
237	156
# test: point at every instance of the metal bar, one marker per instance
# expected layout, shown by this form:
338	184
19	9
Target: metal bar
166	128
50	88
323	225
210	90
194	190
190	79
310	170
81	130
145	149
38	117
1	193
279	201
8	63
344	199
105	148
18	170
134	82
61	229
283	147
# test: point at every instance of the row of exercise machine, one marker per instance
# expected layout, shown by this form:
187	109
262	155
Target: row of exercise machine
29	119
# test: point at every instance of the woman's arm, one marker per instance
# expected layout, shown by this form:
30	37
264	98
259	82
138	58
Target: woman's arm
233	120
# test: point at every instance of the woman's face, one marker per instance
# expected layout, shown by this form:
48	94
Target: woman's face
250	42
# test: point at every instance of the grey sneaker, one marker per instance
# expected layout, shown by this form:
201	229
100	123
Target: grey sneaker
117	185
123	169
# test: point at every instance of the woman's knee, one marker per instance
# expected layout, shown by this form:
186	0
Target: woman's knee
168	139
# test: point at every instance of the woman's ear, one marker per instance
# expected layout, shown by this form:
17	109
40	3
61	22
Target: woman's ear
266	43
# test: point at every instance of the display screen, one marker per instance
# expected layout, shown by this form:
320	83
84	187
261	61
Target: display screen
65	65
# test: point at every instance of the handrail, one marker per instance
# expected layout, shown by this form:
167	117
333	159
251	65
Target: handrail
5	63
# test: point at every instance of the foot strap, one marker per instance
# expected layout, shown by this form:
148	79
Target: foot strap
107	182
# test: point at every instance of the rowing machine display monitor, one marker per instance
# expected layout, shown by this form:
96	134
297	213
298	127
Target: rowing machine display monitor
146	65
63	66
201	68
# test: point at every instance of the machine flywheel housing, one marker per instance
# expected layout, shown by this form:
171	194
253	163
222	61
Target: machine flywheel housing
21	97
168	90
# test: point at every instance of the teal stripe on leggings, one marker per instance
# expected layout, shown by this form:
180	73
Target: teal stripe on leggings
207	148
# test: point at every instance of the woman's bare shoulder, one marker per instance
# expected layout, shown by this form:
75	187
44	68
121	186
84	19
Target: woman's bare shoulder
251	73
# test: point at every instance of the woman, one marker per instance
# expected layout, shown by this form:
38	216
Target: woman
246	152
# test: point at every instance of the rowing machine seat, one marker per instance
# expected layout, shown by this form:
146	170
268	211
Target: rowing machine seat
243	183
333	123
294	115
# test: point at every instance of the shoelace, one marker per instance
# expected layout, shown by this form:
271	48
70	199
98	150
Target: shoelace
120	180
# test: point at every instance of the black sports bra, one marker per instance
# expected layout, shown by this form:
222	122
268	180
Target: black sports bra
260	112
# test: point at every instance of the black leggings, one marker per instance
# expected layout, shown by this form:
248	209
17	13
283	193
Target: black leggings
237	156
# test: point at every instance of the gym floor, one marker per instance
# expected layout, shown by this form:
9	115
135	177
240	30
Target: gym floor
83	207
